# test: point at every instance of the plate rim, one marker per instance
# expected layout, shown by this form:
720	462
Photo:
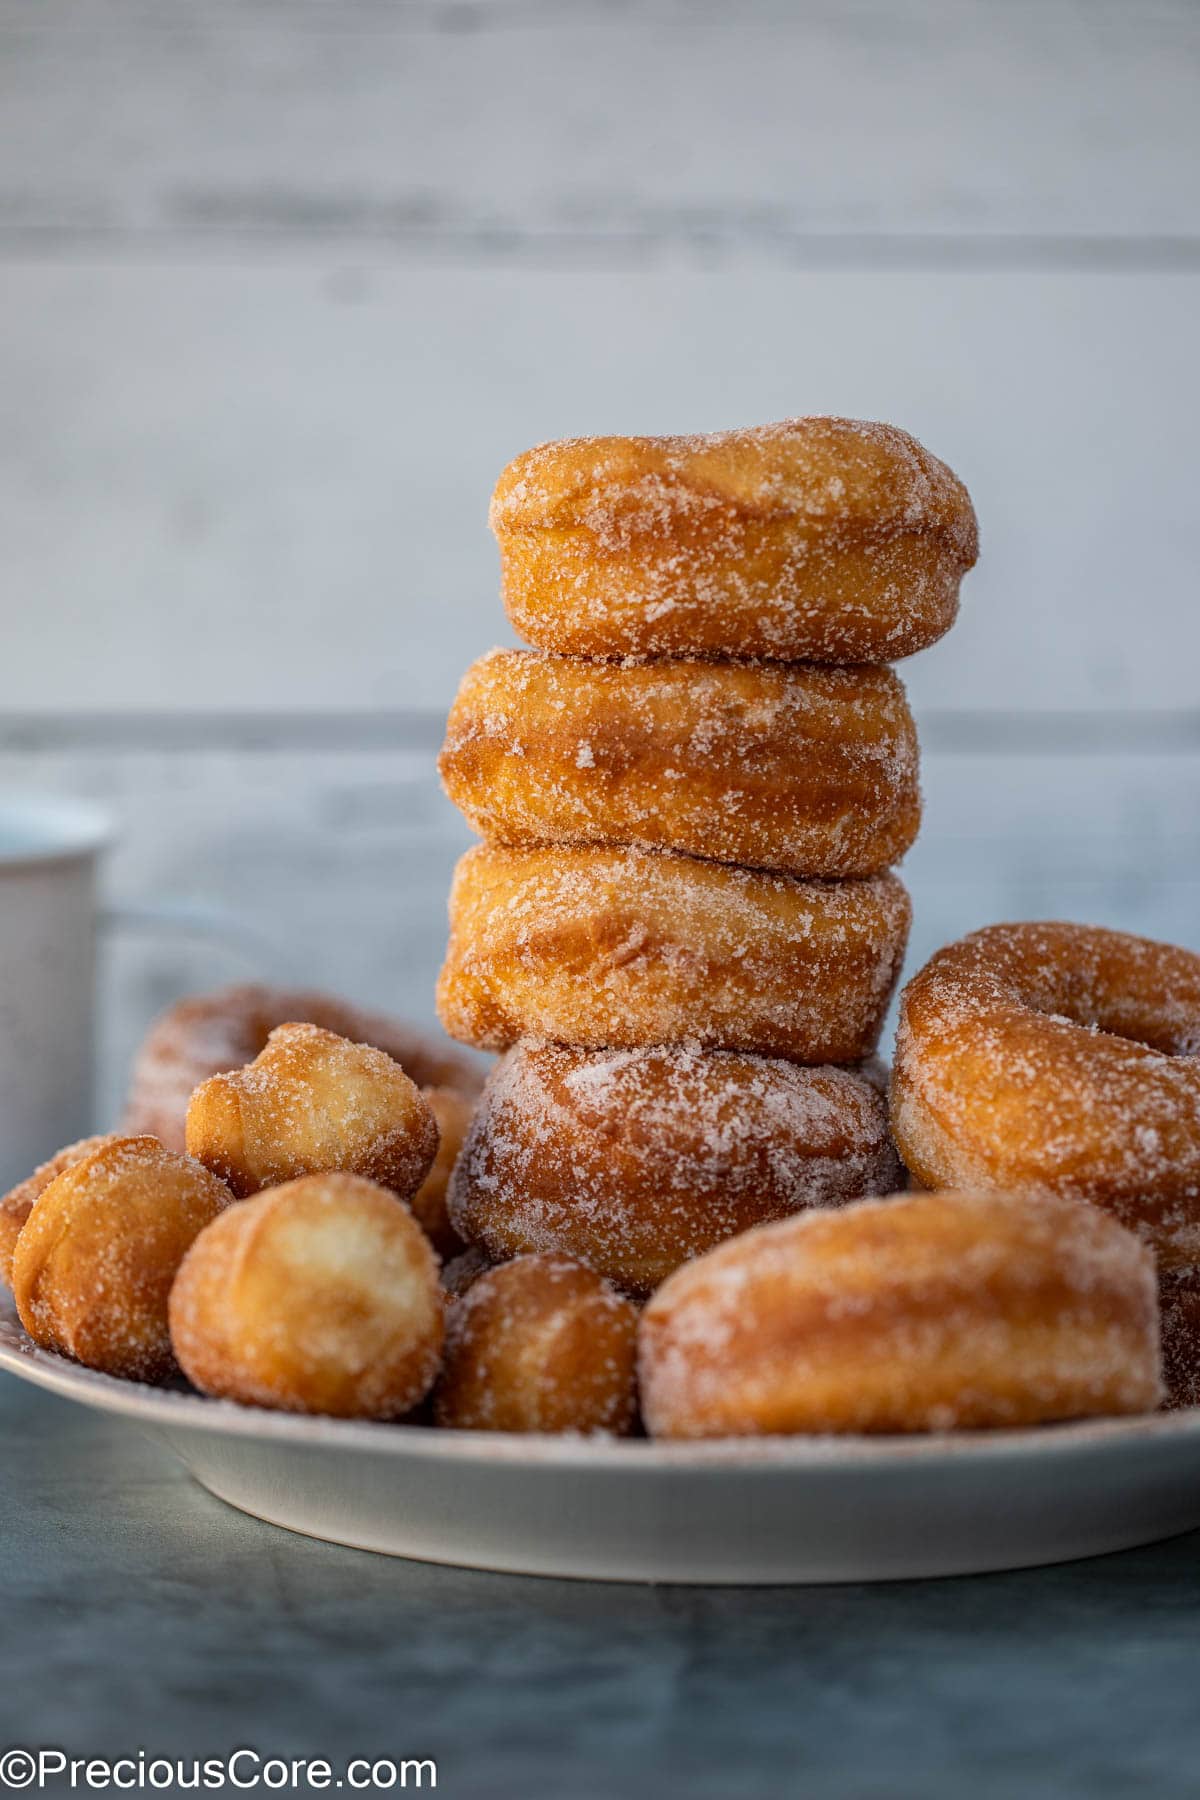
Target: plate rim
176	1411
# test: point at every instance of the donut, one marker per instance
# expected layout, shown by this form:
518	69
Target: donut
1179	1307
1058	1059
95	1259
209	1034
452	1110
540	1344
805	771
16	1206
813	540
618	948
312	1103
923	1312
633	1161
320	1296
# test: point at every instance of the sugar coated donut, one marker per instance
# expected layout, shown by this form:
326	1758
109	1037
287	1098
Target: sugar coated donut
1179	1305
209	1034
452	1112
1058	1059
618	948
803	770
633	1161
320	1296
312	1103
96	1257
919	1313
814	540
16	1206
540	1344
1063	1059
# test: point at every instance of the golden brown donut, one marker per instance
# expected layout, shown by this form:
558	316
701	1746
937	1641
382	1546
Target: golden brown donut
1055	1058
16	1206
636	1160
1179	1307
320	1296
540	1344
452	1112
97	1255
924	1312
1058	1059
209	1034
618	948
312	1103
813	540
803	770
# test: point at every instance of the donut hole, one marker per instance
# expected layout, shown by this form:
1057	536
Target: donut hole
357	1282
319	1296
1154	1022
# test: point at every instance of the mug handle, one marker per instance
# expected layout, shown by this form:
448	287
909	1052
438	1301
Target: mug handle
200	919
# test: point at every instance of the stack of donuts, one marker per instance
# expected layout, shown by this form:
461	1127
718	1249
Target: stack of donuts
682	929
682	932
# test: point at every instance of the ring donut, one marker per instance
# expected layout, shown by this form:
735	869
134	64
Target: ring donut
806	771
634	1161
1058	1059
1065	1059
620	948
925	1312
813	540
209	1034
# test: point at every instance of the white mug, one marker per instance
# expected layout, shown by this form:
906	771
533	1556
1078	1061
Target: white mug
49	919
49	850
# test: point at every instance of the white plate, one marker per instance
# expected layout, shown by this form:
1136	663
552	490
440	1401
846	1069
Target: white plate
743	1510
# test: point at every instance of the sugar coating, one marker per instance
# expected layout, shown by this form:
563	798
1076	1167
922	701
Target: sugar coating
96	1258
1055	1058
539	1344
832	539
1179	1307
810	771
846	471
921	1312
312	1102
18	1203
210	1034
318	1296
636	1160
615	949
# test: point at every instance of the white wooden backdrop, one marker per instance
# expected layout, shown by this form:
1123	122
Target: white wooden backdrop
284	283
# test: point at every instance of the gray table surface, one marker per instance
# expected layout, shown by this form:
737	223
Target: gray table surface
138	1611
